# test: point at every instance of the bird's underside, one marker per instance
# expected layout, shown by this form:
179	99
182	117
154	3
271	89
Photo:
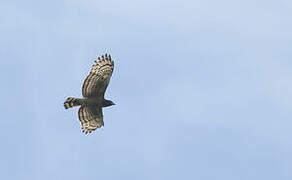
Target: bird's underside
90	113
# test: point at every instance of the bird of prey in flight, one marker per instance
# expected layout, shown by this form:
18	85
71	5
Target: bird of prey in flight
93	90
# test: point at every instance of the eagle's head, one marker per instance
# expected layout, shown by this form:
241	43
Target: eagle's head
107	103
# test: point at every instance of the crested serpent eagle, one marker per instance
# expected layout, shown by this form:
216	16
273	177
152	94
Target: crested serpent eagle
93	89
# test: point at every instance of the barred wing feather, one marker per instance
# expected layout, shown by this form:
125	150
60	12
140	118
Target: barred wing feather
91	118
97	81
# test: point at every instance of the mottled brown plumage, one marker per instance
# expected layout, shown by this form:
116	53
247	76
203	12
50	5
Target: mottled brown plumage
93	90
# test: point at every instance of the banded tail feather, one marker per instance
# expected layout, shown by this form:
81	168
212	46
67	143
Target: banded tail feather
71	102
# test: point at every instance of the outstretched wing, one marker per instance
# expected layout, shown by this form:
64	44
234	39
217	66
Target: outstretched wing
97	81
90	117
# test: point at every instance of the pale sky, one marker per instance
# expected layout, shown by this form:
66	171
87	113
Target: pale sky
202	89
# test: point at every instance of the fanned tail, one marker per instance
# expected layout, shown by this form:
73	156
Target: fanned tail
71	102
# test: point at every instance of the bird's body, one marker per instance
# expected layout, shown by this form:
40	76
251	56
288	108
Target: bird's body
93	90
92	101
